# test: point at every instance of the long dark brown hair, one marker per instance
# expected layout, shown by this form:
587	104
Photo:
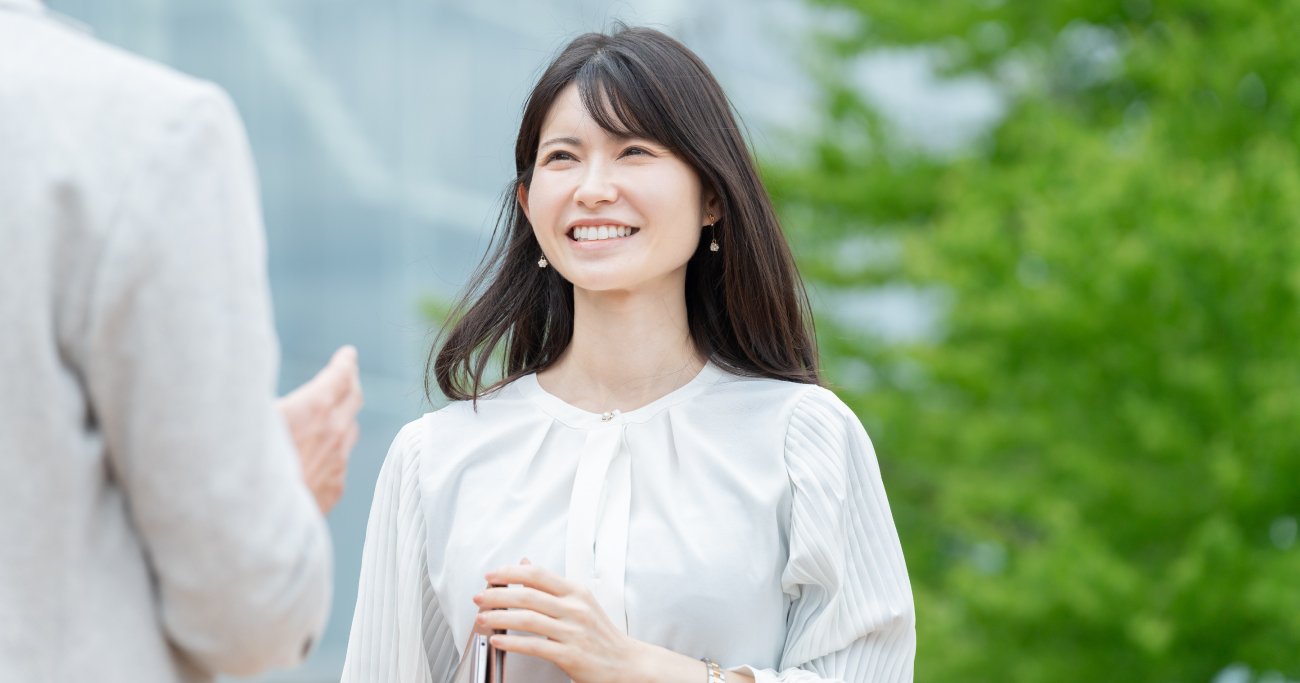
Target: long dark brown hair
746	307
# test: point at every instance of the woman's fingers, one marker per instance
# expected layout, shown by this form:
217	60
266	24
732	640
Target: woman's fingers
532	576
552	618
544	648
520	597
522	620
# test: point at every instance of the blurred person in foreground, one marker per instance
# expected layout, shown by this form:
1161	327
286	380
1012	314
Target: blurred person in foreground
155	524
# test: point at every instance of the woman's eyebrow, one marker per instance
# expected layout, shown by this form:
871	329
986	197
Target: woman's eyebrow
560	141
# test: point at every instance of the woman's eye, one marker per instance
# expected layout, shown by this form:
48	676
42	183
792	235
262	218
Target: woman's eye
636	151
557	156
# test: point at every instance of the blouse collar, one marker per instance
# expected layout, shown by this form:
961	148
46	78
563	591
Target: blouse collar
576	417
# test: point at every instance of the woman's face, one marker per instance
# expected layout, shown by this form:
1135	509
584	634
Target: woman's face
611	214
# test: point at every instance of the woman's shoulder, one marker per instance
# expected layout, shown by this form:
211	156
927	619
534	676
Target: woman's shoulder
494	402
767	396
806	414
457	421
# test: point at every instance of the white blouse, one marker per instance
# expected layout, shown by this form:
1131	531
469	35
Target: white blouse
738	519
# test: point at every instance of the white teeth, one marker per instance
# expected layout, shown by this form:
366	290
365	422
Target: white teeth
600	232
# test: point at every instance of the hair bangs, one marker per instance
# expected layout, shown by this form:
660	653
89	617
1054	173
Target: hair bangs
623	101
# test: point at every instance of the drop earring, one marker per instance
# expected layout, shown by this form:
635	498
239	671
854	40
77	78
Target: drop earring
542	262
713	234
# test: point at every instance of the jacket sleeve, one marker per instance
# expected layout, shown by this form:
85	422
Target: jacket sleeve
180	361
851	617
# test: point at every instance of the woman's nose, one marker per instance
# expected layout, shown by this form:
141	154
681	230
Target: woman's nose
596	187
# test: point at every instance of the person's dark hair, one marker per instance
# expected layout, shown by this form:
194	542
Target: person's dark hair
746	306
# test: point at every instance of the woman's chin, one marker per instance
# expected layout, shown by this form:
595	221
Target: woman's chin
601	277
602	287
623	281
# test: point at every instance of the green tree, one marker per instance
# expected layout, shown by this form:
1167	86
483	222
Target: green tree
1093	460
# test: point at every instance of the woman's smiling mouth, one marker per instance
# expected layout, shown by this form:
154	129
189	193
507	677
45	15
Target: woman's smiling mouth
596	233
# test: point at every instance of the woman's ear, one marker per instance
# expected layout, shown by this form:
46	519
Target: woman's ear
521	196
712	207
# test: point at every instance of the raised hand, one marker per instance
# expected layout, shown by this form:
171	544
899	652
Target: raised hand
322	419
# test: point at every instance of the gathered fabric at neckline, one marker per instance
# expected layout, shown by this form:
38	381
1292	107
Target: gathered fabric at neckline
574	416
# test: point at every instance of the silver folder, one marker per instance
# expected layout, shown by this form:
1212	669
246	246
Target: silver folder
480	662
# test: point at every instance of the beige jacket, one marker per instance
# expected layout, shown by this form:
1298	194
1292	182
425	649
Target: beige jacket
153	522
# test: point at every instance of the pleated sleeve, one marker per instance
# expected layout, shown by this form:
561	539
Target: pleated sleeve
851	617
398	633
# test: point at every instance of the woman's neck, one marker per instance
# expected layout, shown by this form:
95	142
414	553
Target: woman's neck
628	349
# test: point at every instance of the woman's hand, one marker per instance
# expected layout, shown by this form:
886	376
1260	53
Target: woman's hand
578	637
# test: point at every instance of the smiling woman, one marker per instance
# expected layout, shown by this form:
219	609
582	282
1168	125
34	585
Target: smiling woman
659	445
619	125
593	190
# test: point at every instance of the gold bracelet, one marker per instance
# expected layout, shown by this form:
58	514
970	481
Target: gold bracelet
715	672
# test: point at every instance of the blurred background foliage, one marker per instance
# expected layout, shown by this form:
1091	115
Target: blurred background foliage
1092	454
